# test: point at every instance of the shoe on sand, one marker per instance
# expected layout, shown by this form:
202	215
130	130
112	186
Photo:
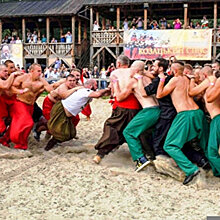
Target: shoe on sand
141	163
97	159
190	177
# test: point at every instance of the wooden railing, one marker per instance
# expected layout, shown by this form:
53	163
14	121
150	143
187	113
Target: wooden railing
108	37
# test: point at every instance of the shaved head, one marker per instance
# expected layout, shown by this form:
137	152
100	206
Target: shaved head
207	70
138	66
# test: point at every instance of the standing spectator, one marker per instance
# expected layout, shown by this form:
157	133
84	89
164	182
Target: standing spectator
5	40
139	23
197	25
68	37
110	69
95	72
31	41
55	74
125	23
191	25
169	26
54	41
177	24
18	41
57	63
85	73
163	22
63	38
14	33
34	35
133	23
96	26
204	23
103	76
44	39
49	73
38	40
13	41
28	36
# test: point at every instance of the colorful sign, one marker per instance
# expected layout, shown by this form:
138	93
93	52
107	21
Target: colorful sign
12	52
193	44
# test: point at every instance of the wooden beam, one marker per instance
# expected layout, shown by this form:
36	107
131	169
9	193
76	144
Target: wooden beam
185	15
215	14
48	29
79	31
91	45
85	31
118	18
103	23
73	39
97	17
0	32
145	19
23	30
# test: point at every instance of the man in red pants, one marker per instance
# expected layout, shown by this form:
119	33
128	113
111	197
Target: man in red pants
22	109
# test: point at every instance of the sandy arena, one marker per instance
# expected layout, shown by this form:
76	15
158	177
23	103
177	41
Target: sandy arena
64	183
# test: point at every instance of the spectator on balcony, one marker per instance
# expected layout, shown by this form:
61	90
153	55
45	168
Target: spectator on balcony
28	35
6	40
43	39
163	22
39	40
68	37
58	63
125	23
191	25
204	23
34	35
14	33
197	26
53	41
163	27
18	41
139	23
13	41
133	23
169	26
63	38
96	26
177	24
31	41
95	72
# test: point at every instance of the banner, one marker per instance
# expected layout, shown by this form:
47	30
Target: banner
12	52
193	44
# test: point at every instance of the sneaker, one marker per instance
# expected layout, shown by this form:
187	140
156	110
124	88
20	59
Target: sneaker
141	163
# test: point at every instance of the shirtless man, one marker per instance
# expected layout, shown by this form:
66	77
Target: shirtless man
210	87
122	112
60	124
5	83
189	123
23	106
144	119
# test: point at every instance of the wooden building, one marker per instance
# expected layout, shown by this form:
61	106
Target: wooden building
102	46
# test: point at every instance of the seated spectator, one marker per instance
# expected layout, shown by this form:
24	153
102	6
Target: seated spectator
68	37
55	74
49	73
177	24
169	26
38	40
63	39
31	41
53	40
18	41
154	24
13	41
204	23
139	23
95	72
163	27
44	39
197	26
96	26
191	25
125	24
6	40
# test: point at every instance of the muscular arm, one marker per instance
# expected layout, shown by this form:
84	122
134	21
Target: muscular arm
99	93
196	90
166	90
6	84
16	86
122	94
58	83
47	86
64	93
213	91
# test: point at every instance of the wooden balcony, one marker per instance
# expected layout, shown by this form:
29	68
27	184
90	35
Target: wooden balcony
107	38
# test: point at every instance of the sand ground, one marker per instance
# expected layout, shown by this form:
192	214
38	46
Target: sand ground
65	184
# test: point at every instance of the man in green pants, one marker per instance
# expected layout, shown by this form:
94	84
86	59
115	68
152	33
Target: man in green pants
144	119
213	99
189	123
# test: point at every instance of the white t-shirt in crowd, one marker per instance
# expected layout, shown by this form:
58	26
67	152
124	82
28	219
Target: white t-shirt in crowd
75	103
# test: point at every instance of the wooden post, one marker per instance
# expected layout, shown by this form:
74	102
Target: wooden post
118	18
48	39
48	29
145	19
97	17
215	14
0	33
85	30
215	31
103	57
23	30
73	39
103	23
79	31
185	15
98	61
91	44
